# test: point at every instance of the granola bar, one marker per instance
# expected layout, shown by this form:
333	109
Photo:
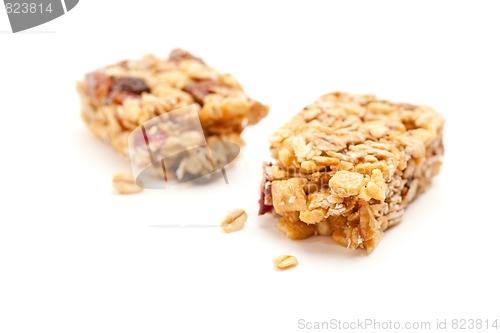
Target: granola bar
348	165
123	97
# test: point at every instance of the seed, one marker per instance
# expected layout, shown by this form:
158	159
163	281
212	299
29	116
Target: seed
285	261
234	221
124	183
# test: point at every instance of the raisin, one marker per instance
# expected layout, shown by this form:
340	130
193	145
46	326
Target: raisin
179	54
126	87
199	89
131	84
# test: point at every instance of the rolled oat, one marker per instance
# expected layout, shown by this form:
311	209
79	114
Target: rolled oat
234	221
285	261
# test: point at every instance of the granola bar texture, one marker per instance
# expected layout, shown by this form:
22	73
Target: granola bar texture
348	165
121	97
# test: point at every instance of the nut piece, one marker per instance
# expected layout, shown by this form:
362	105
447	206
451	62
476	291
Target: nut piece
285	261
346	183
124	183
294	229
234	221
289	195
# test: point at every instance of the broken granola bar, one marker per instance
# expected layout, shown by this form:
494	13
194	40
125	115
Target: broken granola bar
347	166
120	98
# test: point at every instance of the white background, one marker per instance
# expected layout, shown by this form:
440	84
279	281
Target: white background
75	257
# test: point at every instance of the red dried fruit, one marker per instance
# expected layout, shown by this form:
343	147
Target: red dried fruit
199	89
130	84
180	54
120	121
266	192
126	87
263	208
98	84
158	138
118	97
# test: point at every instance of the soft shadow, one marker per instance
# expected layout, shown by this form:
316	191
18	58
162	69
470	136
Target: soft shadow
96	152
103	156
318	245
8	32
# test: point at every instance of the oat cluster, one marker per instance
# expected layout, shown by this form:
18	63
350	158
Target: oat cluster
347	166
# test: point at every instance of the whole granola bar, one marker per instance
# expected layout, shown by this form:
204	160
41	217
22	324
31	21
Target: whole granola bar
120	98
348	165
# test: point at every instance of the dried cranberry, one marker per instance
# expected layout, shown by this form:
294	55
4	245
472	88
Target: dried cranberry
266	192
179	54
120	122
158	139
199	89
118	97
263	208
98	84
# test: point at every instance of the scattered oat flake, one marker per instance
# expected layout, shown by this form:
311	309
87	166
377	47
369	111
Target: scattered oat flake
234	221
285	261
124	183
